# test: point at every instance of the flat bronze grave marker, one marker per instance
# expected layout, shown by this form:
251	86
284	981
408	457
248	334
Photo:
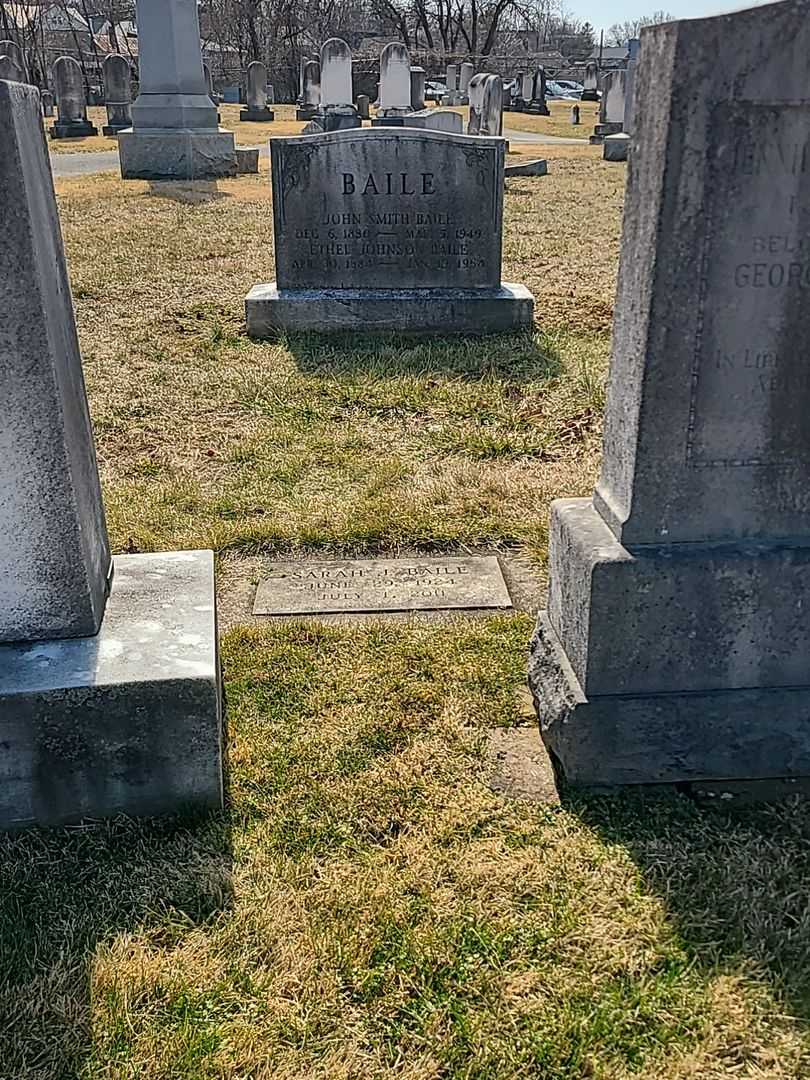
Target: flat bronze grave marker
367	585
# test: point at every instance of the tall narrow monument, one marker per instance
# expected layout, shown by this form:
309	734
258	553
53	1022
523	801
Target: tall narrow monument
109	679
175	133
676	644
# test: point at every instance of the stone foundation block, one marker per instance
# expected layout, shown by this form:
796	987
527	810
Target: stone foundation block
128	721
78	129
409	311
259	116
176	154
616	147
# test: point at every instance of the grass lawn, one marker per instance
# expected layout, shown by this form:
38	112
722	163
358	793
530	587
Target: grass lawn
367	907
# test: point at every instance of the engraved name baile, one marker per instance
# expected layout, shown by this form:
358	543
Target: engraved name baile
387	211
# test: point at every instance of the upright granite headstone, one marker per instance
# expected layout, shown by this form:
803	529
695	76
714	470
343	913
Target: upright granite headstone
108	703
538	104
362	105
475	93
391	229
465	73
591	82
175	132
257	110
117	94
630	86
71	105
46	98
526	90
676	642
14	52
418	75
611	106
10	70
437	120
395	80
491	123
311	96
336	111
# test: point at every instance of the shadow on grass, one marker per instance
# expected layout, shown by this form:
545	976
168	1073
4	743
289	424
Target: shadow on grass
734	879
67	891
522	357
188	192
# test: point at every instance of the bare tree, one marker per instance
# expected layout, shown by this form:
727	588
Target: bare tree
621	33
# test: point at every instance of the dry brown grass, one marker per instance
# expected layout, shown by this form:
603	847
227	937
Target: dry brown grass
200	430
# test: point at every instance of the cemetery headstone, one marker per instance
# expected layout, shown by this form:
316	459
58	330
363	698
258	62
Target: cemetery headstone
12	49
395	84
336	111
418	76
475	93
363	104
538	105
675	644
450	79
611	106
526	90
575	115
465	73
175	132
117	94
491	123
406	236
591	82
270	94
436	120
71	106
257	110
109	680
10	70
311	96
46	98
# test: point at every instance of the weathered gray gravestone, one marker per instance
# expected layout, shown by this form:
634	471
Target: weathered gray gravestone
257	109
71	105
10	70
630	86
363	106
611	106
436	120
526	89
175	131
117	94
538	104
395	80
108	703
311	93
46	98
591	82
676	643
13	50
475	93
336	111
418	75
390	229
464	75
492	107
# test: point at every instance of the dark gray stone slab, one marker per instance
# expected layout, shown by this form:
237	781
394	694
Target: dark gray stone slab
441	312
54	555
538	167
387	208
363	585
128	721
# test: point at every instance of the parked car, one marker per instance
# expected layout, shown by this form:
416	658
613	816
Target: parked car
559	90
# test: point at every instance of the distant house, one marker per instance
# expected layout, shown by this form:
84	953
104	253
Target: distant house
611	56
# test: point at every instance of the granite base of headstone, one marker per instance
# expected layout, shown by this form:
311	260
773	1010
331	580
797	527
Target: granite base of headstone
538	167
247	160
437	120
72	129
388	229
306	112
616	147
257	116
335	118
109	678
675	644
177	154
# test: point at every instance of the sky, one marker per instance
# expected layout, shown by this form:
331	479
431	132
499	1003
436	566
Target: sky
603	13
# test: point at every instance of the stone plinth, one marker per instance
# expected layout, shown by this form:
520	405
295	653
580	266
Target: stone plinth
616	147
261	116
675	643
442	312
175	154
414	249
128	721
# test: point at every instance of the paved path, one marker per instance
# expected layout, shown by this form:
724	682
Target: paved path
107	160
